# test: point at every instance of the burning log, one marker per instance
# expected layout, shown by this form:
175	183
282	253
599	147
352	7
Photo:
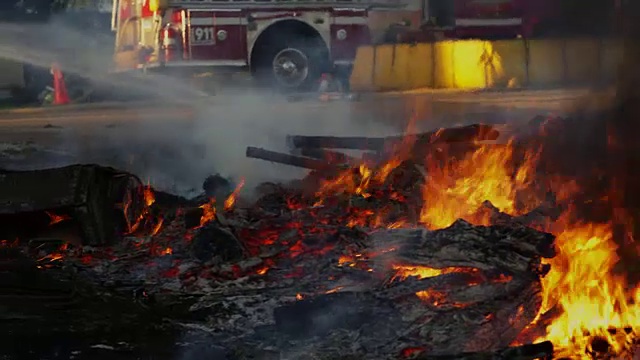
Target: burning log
104	203
286	159
477	132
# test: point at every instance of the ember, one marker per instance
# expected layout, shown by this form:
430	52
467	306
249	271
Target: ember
452	243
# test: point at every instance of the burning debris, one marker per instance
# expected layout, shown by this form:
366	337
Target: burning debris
431	246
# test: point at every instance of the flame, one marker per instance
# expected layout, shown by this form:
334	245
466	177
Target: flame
149	199
359	183
231	200
209	209
167	251
348	182
54	219
208	212
458	189
149	195
157	227
594	302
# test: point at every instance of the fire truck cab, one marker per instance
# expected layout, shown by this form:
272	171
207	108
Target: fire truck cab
288	42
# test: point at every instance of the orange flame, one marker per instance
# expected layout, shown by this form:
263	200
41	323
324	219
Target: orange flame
359	183
457	190
209	209
594	302
208	212
156	229
231	200
149	196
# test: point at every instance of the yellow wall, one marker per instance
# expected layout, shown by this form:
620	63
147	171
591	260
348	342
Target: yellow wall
477	64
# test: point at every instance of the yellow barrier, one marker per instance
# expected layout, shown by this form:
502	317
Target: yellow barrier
361	78
412	66
383	67
509	64
582	57
546	62
477	64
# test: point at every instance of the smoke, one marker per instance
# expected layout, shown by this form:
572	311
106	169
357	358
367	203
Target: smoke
174	154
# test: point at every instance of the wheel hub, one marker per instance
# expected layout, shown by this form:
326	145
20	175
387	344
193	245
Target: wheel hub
290	67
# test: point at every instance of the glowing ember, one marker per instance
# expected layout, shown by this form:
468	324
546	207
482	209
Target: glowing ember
346	260
437	298
423	272
54	219
457	191
157	227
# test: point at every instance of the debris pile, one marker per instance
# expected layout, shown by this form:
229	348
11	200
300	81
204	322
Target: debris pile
435	245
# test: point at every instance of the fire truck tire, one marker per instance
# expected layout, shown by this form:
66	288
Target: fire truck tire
292	66
296	67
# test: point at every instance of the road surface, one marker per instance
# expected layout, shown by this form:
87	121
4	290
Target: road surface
176	145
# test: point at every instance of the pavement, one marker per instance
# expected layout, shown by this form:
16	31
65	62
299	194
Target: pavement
175	145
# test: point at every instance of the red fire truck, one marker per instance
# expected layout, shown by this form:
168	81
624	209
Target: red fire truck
287	41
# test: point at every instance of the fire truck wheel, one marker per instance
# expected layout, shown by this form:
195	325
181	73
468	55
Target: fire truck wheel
291	68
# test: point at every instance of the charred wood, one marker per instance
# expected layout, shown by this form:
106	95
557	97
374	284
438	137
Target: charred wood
216	186
328	155
461	134
516	250
214	243
286	159
543	350
102	201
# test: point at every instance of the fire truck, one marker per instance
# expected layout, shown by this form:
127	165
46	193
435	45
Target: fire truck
486	19
286	42
291	42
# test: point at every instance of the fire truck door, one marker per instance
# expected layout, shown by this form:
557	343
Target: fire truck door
217	37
